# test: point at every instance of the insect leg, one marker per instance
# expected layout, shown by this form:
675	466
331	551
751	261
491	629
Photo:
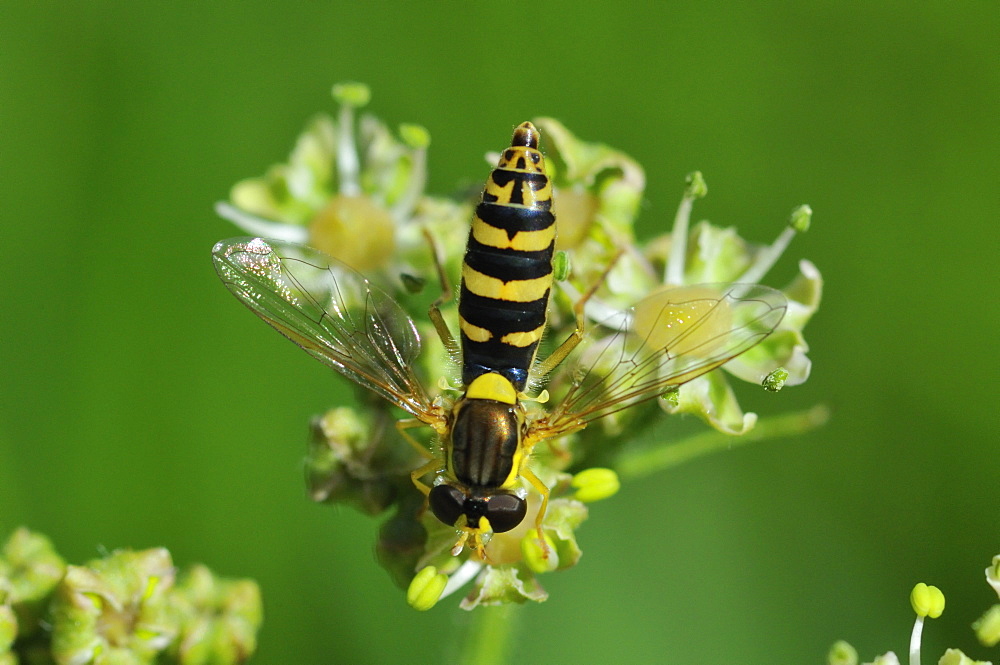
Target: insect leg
543	490
419	472
440	325
409	423
564	349
432	461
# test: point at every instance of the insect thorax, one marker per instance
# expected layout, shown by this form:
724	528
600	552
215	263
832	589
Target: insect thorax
487	429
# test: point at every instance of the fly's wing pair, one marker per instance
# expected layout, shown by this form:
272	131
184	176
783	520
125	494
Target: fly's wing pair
332	312
670	337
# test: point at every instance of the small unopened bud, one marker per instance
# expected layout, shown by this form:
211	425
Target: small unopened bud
987	627
595	484
800	218
352	94
560	266
696	186
414	136
842	653
425	589
927	601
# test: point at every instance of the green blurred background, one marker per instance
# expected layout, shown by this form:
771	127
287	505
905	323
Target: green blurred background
140	405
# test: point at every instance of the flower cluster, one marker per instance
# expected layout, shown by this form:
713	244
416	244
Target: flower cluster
125	608
928	602
355	190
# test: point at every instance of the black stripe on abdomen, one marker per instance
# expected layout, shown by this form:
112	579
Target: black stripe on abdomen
508	264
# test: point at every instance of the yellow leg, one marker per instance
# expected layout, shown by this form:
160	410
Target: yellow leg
543	490
419	472
432	463
409	423
576	336
440	325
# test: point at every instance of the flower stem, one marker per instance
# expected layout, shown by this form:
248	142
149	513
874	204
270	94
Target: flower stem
918	628
417	139
645	462
768	257
678	243
488	635
348	164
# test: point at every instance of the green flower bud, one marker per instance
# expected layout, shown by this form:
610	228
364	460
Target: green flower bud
561	266
842	653
595	484
30	569
425	589
415	136
353	94
219	618
800	218
344	464
927	601
114	609
697	188
987	627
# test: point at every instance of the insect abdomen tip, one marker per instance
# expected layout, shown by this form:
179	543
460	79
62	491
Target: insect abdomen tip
525	135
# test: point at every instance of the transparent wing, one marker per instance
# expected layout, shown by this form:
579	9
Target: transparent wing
670	337
329	310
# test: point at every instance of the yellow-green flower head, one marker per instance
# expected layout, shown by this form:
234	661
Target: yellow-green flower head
30	569
114	609
717	254
598	190
351	461
218	618
346	188
705	255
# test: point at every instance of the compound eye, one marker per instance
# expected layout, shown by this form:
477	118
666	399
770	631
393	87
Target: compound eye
446	503
505	511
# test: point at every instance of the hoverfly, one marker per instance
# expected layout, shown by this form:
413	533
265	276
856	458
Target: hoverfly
487	434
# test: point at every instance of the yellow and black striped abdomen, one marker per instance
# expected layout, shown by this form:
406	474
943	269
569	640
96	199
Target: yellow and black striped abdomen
507	273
